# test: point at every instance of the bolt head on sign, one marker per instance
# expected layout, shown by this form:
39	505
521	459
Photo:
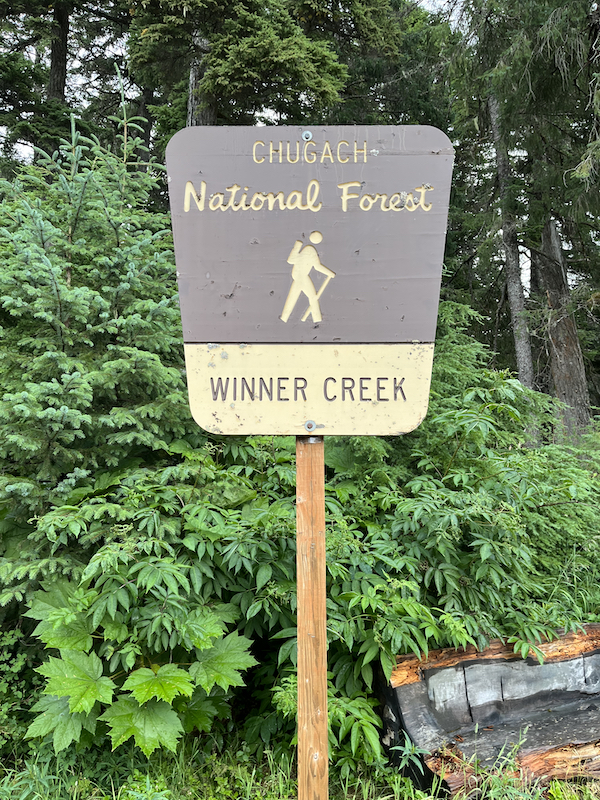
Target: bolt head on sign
309	262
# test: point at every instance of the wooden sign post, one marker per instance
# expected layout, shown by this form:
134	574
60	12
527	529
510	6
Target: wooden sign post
313	755
309	263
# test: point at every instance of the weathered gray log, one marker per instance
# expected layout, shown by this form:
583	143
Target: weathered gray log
461	704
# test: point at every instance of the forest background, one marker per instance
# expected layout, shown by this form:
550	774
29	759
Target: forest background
147	568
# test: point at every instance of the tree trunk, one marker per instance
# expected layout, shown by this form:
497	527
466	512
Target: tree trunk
202	110
58	51
566	360
146	99
535	283
514	285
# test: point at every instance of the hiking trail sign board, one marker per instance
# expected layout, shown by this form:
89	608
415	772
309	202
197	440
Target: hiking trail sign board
309	263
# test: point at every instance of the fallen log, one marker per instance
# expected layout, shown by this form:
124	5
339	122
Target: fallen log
466	707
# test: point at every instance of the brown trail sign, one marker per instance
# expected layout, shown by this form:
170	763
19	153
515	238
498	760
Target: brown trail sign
309	265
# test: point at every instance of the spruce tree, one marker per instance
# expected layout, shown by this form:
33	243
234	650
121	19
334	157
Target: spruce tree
92	371
93	421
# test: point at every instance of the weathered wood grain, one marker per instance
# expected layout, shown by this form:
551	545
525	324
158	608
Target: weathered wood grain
409	668
312	635
559	763
562	763
493	704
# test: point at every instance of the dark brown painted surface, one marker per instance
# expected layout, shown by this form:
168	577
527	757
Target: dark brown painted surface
233	268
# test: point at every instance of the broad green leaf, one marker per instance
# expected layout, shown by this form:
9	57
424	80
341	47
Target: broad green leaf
74	635
53	596
263	576
486	551
285	633
51	709
77	635
372	738
199	628
199	713
165	684
151	725
79	677
354	737
55	717
223	663
114	630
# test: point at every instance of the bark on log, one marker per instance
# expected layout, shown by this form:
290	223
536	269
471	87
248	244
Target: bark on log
409	668
562	763
471	710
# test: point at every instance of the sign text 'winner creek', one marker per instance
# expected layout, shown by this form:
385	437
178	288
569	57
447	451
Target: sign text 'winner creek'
284	389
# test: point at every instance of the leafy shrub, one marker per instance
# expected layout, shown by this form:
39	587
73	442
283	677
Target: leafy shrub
159	562
19	688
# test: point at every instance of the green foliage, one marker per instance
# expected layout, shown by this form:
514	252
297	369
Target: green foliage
158	563
152	725
79	677
353	725
56	718
535	60
164	684
431	542
408	754
19	688
505	779
140	788
90	352
92	384
254	56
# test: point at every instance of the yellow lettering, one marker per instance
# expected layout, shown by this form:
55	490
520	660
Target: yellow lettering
327	153
312	192
271	198
256	198
357	151
395	202
422	189
367	201
216	201
272	152
307	154
233	190
346	195
290	160
339	157
232	200
410	204
383	206
254	158
242	204
294	200
191	192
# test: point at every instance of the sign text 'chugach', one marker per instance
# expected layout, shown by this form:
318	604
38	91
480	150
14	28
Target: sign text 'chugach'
341	152
309	265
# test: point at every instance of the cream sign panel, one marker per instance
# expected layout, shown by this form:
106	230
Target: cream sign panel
309	264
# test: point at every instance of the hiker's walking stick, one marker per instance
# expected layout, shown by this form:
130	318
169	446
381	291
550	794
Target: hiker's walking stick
319	293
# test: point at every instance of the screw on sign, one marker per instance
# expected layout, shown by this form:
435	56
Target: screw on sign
341	343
